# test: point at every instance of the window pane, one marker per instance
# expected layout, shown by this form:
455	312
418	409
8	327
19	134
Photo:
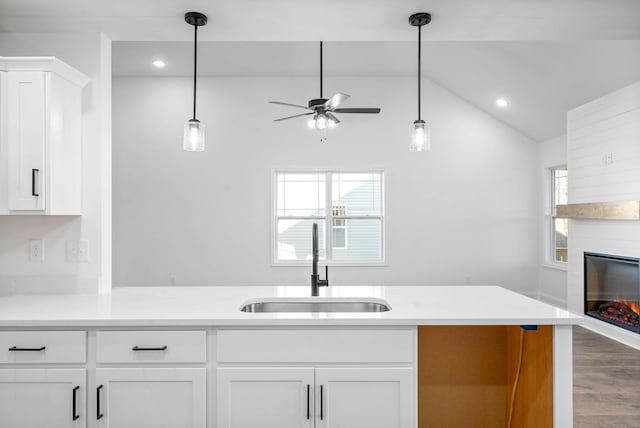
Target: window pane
561	233
301	194
294	239
560	186
361	239
339	236
357	194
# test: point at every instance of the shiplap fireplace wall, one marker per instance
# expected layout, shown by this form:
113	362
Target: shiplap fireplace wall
603	153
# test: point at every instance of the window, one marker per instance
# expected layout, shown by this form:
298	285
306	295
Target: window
558	227
347	206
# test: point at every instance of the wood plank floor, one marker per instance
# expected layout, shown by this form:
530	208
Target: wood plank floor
606	377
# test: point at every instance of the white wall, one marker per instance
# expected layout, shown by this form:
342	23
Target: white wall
610	124
467	211
91	54
552	278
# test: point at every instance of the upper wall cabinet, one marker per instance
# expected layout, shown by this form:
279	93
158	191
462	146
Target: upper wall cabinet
40	136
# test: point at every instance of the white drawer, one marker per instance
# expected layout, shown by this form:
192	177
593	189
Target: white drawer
43	347
151	346
316	346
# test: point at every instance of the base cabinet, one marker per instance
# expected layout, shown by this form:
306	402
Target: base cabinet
37	398
364	397
150	398
265	397
315	397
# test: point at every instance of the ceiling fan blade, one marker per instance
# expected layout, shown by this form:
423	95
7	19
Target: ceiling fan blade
332	117
357	110
288	104
336	100
291	117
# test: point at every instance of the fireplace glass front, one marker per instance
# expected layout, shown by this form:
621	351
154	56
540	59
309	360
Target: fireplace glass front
612	289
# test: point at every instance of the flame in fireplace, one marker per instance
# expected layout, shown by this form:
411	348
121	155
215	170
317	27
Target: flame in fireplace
634	306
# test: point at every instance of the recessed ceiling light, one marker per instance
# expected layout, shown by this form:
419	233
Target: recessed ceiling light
158	63
501	102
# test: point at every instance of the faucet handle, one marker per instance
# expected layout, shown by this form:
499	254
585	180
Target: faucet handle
324	282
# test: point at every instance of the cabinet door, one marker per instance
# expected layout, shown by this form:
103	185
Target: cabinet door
365	398
26	133
150	398
51	398
265	398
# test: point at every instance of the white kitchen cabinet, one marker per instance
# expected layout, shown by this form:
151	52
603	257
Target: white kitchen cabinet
40	136
150	398
315	398
364	397
265	397
37	398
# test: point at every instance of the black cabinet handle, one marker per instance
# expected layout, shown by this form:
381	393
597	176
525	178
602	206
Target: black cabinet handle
99	415
34	173
137	348
74	414
308	399
321	403
16	349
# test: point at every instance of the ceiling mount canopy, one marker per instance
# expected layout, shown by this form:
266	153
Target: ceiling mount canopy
194	130
420	132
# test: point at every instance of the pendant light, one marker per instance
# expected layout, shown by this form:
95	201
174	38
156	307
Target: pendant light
420	133
193	129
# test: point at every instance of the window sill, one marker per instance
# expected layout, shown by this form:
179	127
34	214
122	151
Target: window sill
307	264
558	266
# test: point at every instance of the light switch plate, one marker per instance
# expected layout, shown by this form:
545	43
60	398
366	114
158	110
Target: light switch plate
78	251
36	250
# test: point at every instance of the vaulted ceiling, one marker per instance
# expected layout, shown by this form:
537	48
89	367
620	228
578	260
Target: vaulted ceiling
542	80
545	56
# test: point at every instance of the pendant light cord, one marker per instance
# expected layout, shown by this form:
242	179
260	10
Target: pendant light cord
195	67
419	68
321	69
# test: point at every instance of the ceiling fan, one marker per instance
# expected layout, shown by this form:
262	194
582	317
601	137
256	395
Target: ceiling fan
323	109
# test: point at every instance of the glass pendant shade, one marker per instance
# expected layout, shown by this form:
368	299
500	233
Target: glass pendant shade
420	137
194	136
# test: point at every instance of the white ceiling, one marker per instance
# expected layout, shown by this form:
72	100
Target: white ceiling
349	20
542	80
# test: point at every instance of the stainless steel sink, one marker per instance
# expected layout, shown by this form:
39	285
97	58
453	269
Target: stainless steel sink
321	304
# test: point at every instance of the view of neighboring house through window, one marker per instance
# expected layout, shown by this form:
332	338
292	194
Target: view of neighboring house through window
560	226
347	206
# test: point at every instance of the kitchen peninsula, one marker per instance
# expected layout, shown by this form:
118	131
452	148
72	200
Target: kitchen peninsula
440	352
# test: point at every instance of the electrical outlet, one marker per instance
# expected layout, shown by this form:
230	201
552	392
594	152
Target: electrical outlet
78	251
36	250
607	158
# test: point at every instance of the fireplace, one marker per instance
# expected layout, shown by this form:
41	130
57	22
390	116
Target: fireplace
612	289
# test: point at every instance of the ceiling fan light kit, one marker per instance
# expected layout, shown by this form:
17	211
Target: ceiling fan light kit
322	109
420	131
193	139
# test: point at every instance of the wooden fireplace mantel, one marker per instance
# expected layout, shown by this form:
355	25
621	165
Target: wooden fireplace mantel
625	210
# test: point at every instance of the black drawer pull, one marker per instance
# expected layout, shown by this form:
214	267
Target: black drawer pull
321	402
137	348
99	415
16	349
34	172
73	412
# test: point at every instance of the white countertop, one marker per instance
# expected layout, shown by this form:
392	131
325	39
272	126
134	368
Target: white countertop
219	306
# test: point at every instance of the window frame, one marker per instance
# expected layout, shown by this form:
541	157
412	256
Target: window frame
550	217
328	218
